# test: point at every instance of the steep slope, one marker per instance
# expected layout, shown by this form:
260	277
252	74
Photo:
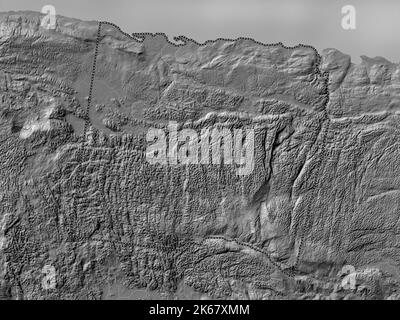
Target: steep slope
83	201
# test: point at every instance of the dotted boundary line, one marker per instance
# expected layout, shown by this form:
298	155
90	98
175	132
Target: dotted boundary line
140	38
91	85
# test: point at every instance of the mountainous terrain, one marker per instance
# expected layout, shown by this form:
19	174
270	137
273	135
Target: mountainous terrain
84	215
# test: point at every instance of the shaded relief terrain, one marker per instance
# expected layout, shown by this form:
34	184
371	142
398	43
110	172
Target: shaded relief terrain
83	214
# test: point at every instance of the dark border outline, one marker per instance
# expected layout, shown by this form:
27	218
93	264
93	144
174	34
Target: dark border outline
141	36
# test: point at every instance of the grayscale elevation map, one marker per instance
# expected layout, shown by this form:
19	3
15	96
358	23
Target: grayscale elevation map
149	166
